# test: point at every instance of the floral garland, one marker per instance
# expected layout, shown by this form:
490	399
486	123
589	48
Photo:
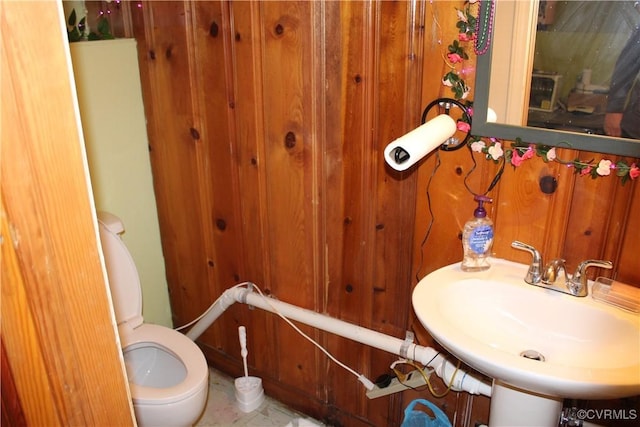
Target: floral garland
518	151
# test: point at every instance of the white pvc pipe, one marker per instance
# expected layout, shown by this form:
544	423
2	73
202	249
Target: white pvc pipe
425	355
226	300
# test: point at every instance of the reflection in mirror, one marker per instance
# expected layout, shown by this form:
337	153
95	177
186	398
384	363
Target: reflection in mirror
549	74
575	80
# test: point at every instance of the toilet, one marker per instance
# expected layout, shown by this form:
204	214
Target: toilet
168	374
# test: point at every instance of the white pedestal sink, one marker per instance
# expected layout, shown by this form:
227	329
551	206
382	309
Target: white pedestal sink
539	345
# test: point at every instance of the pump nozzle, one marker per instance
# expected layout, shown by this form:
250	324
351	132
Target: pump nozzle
480	211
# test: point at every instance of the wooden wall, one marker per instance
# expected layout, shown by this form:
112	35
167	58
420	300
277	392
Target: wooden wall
267	122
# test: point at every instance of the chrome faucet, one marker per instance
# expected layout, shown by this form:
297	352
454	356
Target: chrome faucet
554	275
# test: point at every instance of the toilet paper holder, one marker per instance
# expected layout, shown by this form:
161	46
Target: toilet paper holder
437	133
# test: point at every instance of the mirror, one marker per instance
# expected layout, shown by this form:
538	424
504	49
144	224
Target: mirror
521	33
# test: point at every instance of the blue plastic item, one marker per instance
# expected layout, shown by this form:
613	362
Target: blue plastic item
415	418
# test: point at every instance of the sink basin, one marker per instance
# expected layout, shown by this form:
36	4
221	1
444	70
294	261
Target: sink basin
487	319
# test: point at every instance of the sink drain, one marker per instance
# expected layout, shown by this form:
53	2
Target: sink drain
533	355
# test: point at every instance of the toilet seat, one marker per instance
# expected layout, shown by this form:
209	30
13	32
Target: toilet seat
179	346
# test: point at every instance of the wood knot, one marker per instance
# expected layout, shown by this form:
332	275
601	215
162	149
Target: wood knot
548	184
213	29
290	140
279	29
194	133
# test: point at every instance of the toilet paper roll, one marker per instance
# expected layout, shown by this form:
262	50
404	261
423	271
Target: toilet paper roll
407	150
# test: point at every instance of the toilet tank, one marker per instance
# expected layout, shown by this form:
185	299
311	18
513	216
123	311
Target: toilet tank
124	282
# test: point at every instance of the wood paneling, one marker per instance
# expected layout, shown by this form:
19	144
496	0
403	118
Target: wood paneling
267	123
60	346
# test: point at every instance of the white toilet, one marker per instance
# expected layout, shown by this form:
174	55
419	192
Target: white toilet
168	374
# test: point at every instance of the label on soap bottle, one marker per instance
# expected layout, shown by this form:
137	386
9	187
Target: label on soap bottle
481	239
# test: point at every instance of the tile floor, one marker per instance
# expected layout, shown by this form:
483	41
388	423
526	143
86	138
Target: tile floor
221	409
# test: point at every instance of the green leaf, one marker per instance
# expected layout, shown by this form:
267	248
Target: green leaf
103	27
72	18
452	77
74	35
622	164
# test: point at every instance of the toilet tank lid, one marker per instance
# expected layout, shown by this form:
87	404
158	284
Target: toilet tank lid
112	222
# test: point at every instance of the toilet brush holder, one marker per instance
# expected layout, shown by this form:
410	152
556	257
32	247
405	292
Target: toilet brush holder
249	393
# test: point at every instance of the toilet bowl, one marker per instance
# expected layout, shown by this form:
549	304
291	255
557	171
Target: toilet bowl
168	374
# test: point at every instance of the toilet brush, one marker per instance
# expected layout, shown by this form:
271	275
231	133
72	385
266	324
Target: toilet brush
249	391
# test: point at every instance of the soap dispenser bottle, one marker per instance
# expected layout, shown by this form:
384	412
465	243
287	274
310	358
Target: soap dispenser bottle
477	238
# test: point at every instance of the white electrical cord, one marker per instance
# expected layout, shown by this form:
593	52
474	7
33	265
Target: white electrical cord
364	380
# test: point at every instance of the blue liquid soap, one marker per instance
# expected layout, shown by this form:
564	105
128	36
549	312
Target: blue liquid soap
477	239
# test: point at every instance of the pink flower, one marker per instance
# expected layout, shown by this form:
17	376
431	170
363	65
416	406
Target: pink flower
517	159
463	126
634	171
454	58
585	171
604	167
464	37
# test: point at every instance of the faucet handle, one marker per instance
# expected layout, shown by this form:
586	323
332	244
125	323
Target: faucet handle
578	282
534	275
